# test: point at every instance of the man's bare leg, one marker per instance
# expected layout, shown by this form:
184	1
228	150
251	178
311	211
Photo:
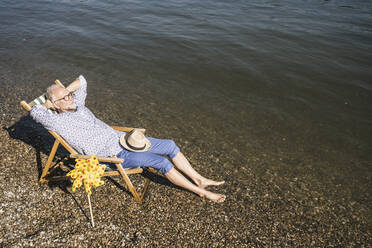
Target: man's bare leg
175	177
183	164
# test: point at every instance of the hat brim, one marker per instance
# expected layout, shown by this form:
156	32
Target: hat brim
123	142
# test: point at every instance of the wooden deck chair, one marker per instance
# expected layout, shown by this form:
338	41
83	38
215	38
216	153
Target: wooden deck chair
45	175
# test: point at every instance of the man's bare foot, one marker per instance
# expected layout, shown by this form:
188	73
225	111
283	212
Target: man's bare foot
218	198
204	182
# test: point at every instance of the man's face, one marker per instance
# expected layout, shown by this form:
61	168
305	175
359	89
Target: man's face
64	100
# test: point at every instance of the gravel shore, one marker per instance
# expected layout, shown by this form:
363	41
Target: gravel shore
270	201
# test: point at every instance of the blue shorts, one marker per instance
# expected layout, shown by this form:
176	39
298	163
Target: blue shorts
154	157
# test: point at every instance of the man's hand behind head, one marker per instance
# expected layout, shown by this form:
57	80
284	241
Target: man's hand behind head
48	104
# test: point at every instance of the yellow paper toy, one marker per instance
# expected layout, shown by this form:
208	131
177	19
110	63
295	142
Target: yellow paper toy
89	171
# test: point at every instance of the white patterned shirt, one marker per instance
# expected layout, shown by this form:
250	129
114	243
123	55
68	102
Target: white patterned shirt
81	129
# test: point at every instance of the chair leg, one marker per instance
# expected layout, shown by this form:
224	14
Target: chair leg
147	182
57	165
49	162
129	183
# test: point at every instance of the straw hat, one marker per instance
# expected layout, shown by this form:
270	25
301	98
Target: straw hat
135	141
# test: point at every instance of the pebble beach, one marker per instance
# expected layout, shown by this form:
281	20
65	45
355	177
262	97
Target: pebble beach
270	202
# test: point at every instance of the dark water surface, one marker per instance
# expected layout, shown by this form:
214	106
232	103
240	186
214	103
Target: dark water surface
289	80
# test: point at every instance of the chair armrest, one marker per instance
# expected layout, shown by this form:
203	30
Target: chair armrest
128	129
25	105
102	159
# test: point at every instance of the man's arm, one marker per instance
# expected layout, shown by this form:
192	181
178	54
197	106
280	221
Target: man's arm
74	86
79	86
41	115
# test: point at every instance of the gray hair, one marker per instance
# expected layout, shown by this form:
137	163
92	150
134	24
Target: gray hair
49	92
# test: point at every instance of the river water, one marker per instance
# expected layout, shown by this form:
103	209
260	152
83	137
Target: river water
291	79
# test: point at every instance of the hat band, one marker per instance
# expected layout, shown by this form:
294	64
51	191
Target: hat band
133	147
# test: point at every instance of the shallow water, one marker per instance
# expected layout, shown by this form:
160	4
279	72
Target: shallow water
289	79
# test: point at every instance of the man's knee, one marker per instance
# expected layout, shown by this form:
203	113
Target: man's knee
164	165
170	143
173	148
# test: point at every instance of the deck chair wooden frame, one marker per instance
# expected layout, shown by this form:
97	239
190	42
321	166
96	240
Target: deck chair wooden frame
50	167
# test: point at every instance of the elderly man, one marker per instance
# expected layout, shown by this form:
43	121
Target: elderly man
89	135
